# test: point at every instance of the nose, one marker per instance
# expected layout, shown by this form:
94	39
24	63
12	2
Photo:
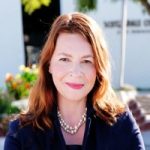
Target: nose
76	70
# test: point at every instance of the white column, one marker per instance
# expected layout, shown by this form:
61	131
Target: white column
123	41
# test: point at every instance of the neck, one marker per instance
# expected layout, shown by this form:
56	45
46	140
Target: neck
71	110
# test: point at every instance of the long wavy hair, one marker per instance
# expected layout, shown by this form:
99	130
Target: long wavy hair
43	95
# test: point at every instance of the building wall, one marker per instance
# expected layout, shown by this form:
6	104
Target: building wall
11	38
109	15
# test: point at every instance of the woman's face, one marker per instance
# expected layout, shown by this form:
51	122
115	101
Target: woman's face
72	67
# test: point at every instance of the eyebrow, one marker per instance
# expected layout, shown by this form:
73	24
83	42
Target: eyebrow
65	54
85	56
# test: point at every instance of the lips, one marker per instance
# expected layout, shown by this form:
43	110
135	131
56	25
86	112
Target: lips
75	85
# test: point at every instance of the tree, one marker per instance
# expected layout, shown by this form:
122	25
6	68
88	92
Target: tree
145	3
86	5
82	5
31	5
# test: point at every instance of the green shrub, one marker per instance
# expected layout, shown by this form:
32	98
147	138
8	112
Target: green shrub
7	112
5	104
19	85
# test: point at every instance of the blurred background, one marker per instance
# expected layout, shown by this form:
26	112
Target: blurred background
24	25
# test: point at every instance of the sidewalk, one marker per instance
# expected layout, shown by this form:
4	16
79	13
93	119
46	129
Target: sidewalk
1	143
146	137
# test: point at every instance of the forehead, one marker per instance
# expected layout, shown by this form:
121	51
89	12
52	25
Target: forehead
72	43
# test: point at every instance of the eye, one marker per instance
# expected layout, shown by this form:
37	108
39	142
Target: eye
64	59
86	61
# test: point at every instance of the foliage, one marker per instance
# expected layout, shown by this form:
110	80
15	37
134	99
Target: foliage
5	104
86	5
82	5
7	111
145	3
31	5
18	86
4	122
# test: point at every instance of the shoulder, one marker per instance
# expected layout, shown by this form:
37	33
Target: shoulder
124	127
125	123
126	120
123	134
26	132
18	133
14	125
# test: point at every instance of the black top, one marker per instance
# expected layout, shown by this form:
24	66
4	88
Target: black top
73	147
123	135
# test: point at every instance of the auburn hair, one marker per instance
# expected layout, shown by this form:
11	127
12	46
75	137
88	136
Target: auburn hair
43	94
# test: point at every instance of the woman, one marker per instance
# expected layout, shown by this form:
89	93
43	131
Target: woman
72	105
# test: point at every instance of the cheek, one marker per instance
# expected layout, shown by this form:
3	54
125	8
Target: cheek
90	73
57	69
92	76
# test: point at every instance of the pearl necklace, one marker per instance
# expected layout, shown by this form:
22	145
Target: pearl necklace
69	129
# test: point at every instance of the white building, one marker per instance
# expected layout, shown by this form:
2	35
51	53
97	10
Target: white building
11	38
109	15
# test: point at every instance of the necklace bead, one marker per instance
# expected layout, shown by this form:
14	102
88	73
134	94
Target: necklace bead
69	129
